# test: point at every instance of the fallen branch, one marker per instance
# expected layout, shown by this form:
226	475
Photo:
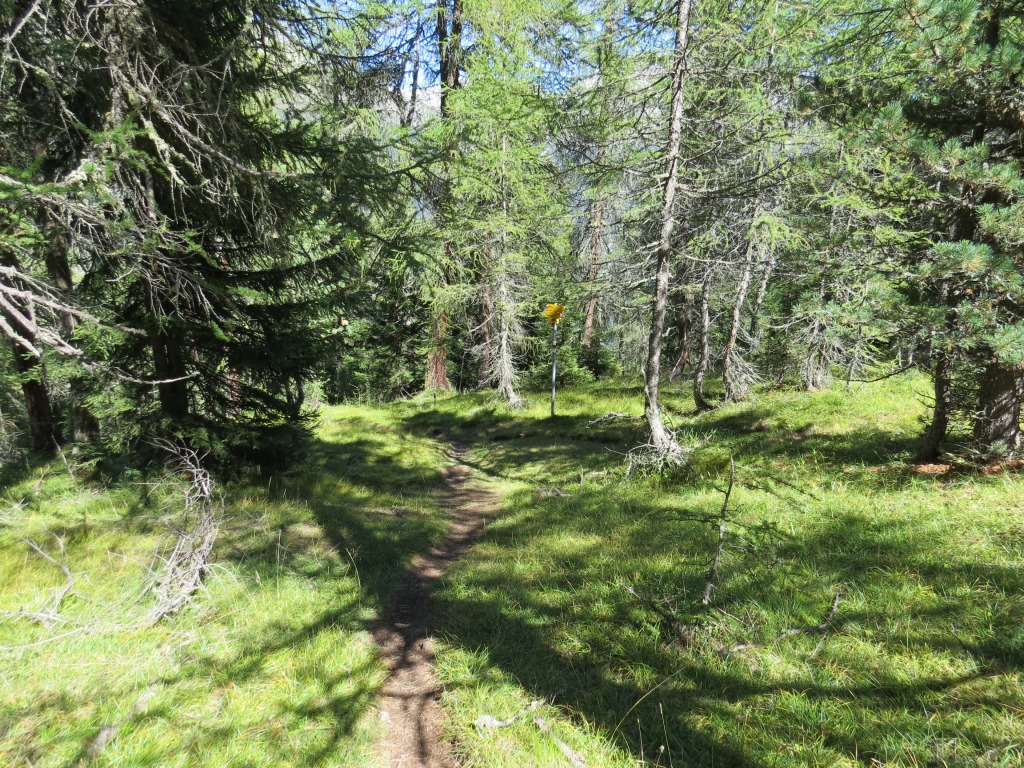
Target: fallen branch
817	629
548	492
610	417
574	757
712	576
60	594
489	721
190	559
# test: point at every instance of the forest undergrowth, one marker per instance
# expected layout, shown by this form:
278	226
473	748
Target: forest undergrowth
841	607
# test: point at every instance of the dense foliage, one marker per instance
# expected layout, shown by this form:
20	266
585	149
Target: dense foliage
212	208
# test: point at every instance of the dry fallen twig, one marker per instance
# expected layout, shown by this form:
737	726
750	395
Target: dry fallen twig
817	629
489	721
610	417
709	581
189	561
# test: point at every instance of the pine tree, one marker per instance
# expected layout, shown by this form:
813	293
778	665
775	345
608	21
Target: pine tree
939	90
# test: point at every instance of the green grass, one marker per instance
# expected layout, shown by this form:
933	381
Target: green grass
922	666
273	665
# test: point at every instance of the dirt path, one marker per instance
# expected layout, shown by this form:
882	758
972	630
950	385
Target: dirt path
408	703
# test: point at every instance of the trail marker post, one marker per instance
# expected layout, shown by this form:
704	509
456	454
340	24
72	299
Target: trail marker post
554	314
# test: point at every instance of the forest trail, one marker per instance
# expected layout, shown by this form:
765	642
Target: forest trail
409	699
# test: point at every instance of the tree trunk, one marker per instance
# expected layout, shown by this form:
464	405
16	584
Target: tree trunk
705	344
46	436
449	48
936	434
762	291
485	364
169	366
85	427
735	389
662	441
683	326
814	364
997	421
596	233
504	357
437	356
41	422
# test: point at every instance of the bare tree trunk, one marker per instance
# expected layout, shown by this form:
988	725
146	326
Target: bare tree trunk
762	291
997	421
504	358
683	326
936	434
814	364
735	389
704	315
509	330
662	441
596	235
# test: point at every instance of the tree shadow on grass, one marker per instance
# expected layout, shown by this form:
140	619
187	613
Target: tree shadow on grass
561	623
563	626
357	507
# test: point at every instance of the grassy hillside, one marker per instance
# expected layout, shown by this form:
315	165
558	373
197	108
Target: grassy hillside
584	595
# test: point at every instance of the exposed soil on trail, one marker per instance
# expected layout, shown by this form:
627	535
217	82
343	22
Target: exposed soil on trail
409	698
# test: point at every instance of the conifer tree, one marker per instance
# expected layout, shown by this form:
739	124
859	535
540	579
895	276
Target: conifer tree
937	84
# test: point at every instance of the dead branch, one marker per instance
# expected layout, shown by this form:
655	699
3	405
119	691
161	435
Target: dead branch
709	581
610	417
574	757
817	629
489	721
49	614
190	559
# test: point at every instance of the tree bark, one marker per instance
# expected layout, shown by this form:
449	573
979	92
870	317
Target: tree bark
661	439
504	357
46	436
997	421
762	291
169	366
704	358
486	334
735	389
85	427
684	327
596	235
936	434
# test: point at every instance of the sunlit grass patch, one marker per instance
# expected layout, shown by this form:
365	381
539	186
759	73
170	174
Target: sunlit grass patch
272	665
920	663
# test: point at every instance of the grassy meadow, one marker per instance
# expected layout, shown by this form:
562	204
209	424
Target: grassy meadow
864	611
